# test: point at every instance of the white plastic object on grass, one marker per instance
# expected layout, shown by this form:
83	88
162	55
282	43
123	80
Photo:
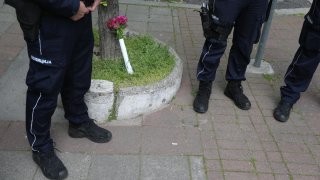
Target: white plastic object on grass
125	56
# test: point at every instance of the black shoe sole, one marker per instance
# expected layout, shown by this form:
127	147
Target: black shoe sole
199	111
279	119
74	133
226	93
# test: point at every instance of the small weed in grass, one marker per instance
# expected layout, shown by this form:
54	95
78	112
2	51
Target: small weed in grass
150	61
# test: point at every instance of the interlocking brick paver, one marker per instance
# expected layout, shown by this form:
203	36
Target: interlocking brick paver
12	40
213	165
257	119
230	165
240	176
225	118
229	144
208	139
170	140
4	64
266	177
15	138
4	26
197	168
304	169
274	156
215	175
282	177
211	154
3	128
244	119
164	117
247	127
293	147
224	135
235	155
16	165
279	167
298	158
14	29
160	11
255	145
160	167
114	167
305	177
262	167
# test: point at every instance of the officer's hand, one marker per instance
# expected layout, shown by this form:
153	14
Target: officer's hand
94	6
81	12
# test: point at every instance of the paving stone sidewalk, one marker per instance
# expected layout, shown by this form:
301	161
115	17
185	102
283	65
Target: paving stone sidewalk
176	143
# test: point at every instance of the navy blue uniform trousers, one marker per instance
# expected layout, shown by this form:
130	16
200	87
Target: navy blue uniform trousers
306	59
60	62
246	16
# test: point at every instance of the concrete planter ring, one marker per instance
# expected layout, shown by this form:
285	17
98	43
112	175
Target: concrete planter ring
131	102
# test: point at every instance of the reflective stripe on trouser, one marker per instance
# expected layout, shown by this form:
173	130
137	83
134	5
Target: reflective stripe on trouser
246	17
62	64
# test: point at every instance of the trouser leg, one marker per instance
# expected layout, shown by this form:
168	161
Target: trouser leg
78	77
48	56
44	84
225	13
246	33
210	59
303	66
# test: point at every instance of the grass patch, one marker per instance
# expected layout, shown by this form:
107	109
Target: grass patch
150	60
96	37
271	77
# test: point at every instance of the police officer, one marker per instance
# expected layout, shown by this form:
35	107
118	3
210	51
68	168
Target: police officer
246	16
303	65
60	62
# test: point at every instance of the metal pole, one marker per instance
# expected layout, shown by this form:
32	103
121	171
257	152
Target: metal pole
264	36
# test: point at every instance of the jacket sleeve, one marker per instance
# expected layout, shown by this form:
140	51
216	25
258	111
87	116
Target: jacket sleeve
65	8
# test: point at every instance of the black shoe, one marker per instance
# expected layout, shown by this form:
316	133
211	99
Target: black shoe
50	165
201	102
282	111
235	92
91	131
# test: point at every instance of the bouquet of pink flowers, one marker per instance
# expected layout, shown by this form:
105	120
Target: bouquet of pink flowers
118	24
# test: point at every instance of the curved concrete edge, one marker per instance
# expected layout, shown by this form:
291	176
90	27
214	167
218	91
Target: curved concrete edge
134	101
99	100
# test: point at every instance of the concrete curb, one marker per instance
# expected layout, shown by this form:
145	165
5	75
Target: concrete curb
134	101
131	102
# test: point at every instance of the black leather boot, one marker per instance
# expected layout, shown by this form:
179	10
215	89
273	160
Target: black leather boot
282	112
50	165
201	102
234	91
91	131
